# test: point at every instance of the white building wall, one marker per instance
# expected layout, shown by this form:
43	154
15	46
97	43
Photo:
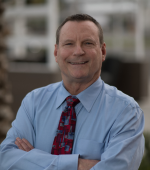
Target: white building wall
20	38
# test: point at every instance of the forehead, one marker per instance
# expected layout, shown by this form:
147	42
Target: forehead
79	28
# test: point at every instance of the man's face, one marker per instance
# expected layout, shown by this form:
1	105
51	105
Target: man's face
79	54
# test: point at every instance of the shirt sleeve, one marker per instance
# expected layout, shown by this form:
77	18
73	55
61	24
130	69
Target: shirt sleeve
12	158
125	146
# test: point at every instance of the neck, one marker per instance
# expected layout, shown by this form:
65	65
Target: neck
75	88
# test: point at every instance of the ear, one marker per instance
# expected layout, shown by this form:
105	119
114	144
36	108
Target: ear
103	48
55	52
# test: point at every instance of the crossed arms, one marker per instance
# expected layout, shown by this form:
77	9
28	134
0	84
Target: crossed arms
83	164
122	149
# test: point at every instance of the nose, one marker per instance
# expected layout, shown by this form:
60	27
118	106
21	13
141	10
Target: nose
78	51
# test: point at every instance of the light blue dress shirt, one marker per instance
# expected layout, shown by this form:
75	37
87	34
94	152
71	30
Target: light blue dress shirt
109	128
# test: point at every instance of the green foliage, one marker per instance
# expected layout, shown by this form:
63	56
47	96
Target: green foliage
145	165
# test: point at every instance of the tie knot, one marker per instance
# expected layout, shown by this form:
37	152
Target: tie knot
72	101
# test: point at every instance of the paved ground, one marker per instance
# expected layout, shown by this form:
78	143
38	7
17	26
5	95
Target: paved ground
145	105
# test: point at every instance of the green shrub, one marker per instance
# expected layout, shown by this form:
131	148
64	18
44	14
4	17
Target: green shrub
145	164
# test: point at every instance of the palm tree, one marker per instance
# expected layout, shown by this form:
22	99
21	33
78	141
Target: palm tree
6	115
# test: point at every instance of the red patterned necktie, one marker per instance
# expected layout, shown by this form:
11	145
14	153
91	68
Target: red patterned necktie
63	141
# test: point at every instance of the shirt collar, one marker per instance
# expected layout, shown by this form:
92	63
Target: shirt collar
61	95
86	97
89	95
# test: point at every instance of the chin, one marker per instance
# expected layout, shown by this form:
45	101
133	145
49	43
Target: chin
79	77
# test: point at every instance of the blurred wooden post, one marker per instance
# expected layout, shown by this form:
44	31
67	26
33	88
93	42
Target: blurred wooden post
6	115
139	33
53	21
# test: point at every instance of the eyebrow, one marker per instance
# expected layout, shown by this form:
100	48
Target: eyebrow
88	39
84	40
91	40
65	41
70	40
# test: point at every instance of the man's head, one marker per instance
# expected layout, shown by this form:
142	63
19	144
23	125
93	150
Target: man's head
79	18
79	52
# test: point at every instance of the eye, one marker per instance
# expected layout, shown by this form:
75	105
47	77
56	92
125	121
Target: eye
89	43
68	44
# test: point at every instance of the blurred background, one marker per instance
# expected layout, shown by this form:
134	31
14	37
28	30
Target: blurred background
27	38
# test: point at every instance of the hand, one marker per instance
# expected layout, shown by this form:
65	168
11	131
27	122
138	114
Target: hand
86	164
23	144
83	164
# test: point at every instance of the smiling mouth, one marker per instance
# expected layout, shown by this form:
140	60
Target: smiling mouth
78	63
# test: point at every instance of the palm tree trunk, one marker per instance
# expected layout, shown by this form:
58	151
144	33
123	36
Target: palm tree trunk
6	114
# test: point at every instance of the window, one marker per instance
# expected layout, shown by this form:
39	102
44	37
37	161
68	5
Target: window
35	2
36	26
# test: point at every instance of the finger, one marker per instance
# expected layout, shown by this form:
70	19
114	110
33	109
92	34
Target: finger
19	146
28	143
23	144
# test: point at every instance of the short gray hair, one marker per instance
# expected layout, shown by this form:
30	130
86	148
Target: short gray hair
80	17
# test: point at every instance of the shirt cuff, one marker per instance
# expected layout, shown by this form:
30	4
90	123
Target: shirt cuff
68	162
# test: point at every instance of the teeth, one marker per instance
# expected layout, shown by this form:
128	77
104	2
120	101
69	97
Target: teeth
78	63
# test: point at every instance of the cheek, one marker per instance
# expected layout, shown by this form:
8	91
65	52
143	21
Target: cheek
97	62
62	55
61	60
56	59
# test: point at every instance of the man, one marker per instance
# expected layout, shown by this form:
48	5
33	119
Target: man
109	124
